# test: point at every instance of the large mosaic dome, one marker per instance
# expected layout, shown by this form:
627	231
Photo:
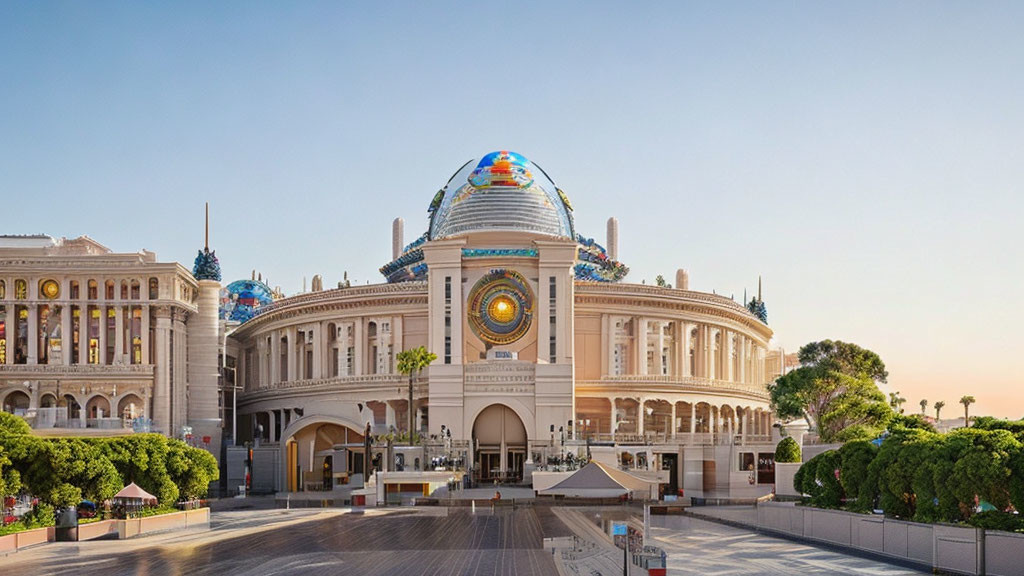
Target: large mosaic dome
502	191
242	299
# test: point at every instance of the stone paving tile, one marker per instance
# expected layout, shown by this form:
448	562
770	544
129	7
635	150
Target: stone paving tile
697	546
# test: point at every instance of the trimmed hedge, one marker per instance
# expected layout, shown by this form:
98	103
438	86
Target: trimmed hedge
788	451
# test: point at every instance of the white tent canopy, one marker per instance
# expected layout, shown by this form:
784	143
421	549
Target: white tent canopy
597	480
133	492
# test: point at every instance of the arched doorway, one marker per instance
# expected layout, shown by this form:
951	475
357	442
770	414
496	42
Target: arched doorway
499	438
130	407
323	455
16	402
97	407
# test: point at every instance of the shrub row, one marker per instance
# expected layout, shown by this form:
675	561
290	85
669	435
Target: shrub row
920	475
64	471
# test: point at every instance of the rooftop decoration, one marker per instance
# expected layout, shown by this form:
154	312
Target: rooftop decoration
242	299
756	305
502	191
206	267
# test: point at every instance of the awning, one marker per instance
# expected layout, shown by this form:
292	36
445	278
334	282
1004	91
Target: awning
597	480
132	491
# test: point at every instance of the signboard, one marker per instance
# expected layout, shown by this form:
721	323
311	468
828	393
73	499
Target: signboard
618	529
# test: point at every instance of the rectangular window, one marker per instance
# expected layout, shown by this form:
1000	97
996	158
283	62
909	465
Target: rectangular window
447	319
746	461
552	314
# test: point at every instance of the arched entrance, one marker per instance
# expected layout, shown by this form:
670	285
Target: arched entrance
499	438
130	407
16	402
323	455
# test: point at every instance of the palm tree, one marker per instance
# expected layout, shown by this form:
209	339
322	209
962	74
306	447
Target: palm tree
896	401
967	401
924	406
412	362
938	408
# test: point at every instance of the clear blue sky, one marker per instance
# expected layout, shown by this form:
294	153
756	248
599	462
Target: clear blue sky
866	158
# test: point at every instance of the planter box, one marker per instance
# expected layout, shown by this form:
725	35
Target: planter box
174	521
19	540
99	529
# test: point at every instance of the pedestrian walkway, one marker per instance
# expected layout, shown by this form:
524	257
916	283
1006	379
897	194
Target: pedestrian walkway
701	547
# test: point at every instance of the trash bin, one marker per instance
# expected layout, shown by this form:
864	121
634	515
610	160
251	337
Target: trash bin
66	529
359	500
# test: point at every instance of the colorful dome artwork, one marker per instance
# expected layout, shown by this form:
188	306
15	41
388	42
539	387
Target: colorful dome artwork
502	191
241	299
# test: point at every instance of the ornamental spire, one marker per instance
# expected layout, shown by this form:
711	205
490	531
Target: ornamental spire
206	266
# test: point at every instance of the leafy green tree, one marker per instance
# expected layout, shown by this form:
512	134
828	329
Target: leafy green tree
142	458
894	468
192	469
915	421
983	466
412	362
11	424
855	457
967	401
788	451
835	388
10	479
63	471
817	478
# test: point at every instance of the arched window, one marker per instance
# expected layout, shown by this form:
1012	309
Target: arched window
93	290
108	292
124	289
135	290
154	288
75	294
3	290
20	289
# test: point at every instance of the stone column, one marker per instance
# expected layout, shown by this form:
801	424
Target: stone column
66	333
318	350
102	352
292	335
33	333
741	351
693	418
640	413
673	422
640	339
727	360
271	425
203	366
659	366
360	347
10	326
84	317
144	333
162	371
398	341
275	359
118	335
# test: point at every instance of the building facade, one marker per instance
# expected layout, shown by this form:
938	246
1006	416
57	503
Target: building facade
93	341
542	350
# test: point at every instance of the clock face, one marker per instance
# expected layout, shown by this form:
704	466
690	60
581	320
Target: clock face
500	307
49	289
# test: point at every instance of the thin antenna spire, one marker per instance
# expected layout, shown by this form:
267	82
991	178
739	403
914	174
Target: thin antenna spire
758	287
207	242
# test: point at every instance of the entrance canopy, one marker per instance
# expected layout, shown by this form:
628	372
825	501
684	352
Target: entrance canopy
597	480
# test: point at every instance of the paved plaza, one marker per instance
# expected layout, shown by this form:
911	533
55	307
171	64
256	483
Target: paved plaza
430	541
696	546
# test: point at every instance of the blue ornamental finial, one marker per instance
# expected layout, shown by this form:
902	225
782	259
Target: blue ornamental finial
757	308
207	267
